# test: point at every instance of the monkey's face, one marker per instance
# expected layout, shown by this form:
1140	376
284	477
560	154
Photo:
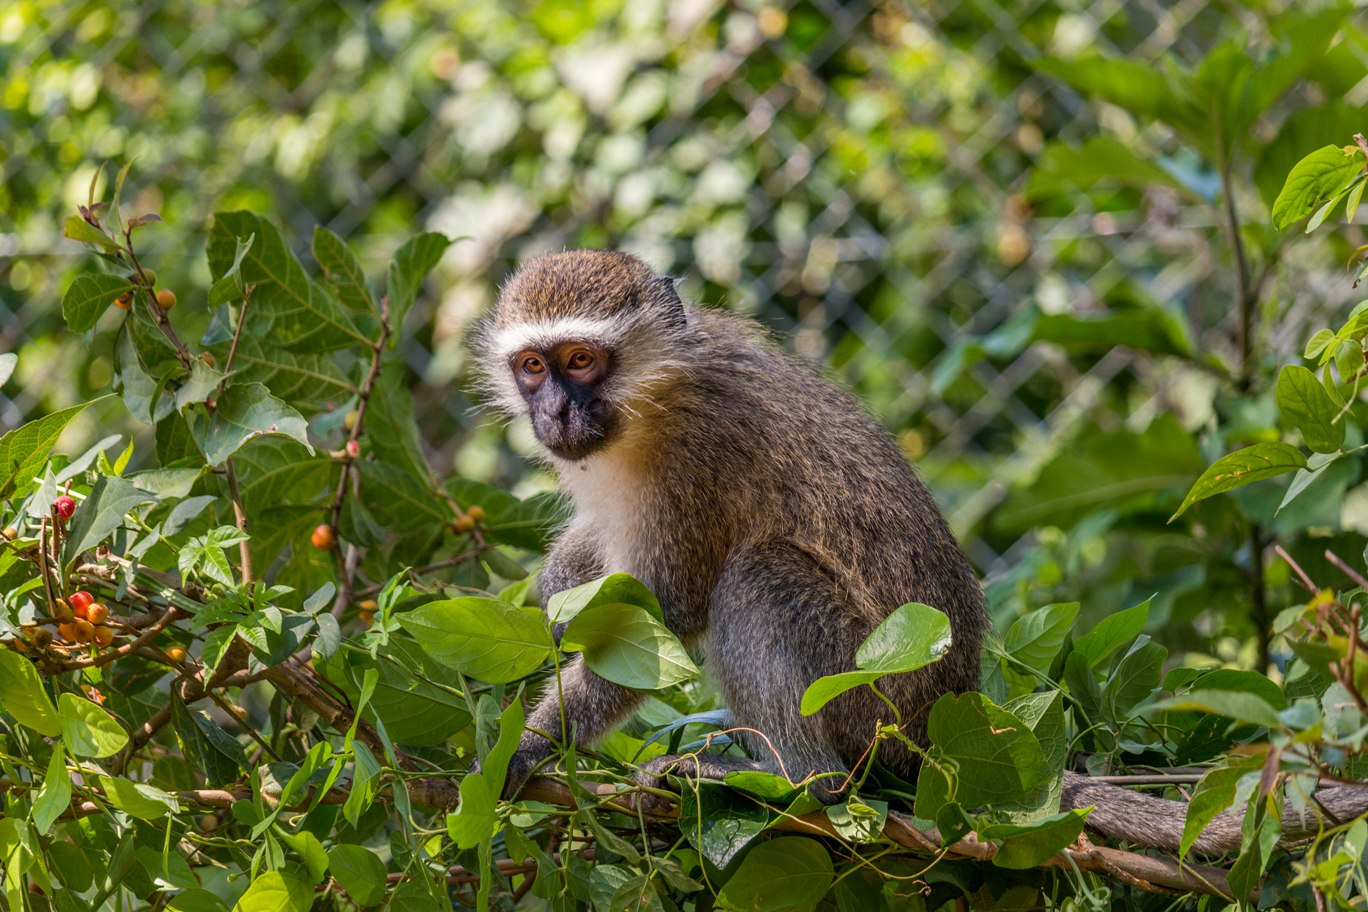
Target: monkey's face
563	388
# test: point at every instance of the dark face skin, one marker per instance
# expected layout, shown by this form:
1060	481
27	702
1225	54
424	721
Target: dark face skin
561	387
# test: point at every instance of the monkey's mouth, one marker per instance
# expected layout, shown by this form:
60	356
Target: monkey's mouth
577	435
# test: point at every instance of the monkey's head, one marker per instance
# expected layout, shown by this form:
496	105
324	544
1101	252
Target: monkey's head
577	342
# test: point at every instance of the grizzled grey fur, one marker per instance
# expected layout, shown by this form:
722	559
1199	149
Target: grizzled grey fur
772	517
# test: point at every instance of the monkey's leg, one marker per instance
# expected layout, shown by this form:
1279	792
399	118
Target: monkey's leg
591	707
777	623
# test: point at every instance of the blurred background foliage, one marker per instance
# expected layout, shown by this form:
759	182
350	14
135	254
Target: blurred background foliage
909	194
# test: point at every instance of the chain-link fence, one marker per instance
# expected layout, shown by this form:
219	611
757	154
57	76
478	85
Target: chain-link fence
854	173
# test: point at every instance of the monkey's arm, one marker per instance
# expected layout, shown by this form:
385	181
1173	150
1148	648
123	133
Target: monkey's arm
575	558
1157	823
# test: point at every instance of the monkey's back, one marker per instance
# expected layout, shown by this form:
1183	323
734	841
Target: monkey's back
820	474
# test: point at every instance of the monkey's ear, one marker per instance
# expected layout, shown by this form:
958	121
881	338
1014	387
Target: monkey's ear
665	299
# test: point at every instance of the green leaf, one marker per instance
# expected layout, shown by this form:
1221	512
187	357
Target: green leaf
484	638
101	513
1044	714
1303	401
474	820
626	645
912	636
87	729
790	872
998	756
412	262
1318	344
360	872
89	295
23	697
562	607
1034	639
1023	846
1242	707
196	900
146	802
1099	158
1111	633
1135	677
343	271
277	891
1316	179
1242	467
310	849
78	229
858	821
288	307
245	412
718	822
1214	793
24	449
52	799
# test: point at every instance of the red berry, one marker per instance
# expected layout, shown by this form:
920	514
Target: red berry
353	448
65	506
80	600
322	537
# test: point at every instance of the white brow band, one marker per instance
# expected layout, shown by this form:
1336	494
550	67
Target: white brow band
545	333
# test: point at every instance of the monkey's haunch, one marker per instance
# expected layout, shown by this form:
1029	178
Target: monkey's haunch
1157	823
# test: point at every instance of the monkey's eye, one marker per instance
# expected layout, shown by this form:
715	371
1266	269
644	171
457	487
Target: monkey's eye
531	364
579	361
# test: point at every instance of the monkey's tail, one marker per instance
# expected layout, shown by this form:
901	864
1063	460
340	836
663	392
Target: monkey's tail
1157	823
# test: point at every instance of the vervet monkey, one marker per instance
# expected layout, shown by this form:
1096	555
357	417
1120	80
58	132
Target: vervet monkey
776	522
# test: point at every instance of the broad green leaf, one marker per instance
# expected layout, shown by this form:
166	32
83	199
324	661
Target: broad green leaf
24	449
277	891
1242	707
1099	158
23	697
1315	469
78	229
416	698
196	900
1043	713
1137	674
412	262
626	645
87	729
495	765
343	271
858	821
484	638
199	386
89	296
1318	344
360	872
288	307
305	380
912	636
718	822
101	513
998	757
1214	793
1111	633
791	872
52	799
245	412
1303	401
638	894
474	820
138	799
562	607
1024	846
1316	179
310	849
1034	639
1242	467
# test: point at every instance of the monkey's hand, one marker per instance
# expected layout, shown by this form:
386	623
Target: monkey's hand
533	750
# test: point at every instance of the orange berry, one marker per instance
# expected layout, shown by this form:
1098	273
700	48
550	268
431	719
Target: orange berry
124	301
166	299
103	636
463	524
10	533
67	631
366	616
97	613
84	630
208	359
322	537
176	653
475	512
80	600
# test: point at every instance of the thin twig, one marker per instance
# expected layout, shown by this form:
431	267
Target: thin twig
240	519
